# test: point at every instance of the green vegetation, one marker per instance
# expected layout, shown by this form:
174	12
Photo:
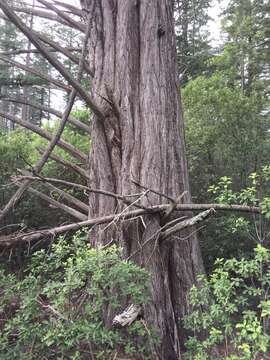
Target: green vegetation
56	310
230	310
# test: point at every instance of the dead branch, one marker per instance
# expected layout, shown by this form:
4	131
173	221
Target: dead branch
62	194
13	239
54	139
35	51
62	50
68	197
173	206
128	316
71	120
66	163
72	8
153	191
81	187
51	59
184	224
46	135
47	15
75	213
69	20
30	70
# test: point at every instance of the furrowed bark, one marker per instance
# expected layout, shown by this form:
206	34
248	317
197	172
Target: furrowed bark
134	62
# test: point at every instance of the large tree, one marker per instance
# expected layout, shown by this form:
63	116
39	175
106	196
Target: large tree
137	141
133	57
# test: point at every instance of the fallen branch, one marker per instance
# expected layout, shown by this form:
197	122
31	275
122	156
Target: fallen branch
128	316
69	7
184	224
64	51
76	25
13	239
54	139
35	51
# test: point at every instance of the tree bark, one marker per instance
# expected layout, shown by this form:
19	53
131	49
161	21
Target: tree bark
133	57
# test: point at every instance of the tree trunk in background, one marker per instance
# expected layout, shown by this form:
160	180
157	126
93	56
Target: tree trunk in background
133	56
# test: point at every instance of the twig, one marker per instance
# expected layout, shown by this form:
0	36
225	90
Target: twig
153	191
82	187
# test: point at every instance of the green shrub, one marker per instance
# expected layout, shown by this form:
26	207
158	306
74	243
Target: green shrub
230	311
57	310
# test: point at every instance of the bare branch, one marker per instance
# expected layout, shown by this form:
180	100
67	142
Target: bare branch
54	139
64	16
57	83
81	187
153	191
66	163
52	60
49	16
35	51
47	135
62	194
72	8
75	213
173	206
184	224
64	51
49	110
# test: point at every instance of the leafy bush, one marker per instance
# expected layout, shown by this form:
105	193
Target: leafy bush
57	310
231	310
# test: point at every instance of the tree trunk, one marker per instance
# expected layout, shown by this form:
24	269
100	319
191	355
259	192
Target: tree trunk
133	57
